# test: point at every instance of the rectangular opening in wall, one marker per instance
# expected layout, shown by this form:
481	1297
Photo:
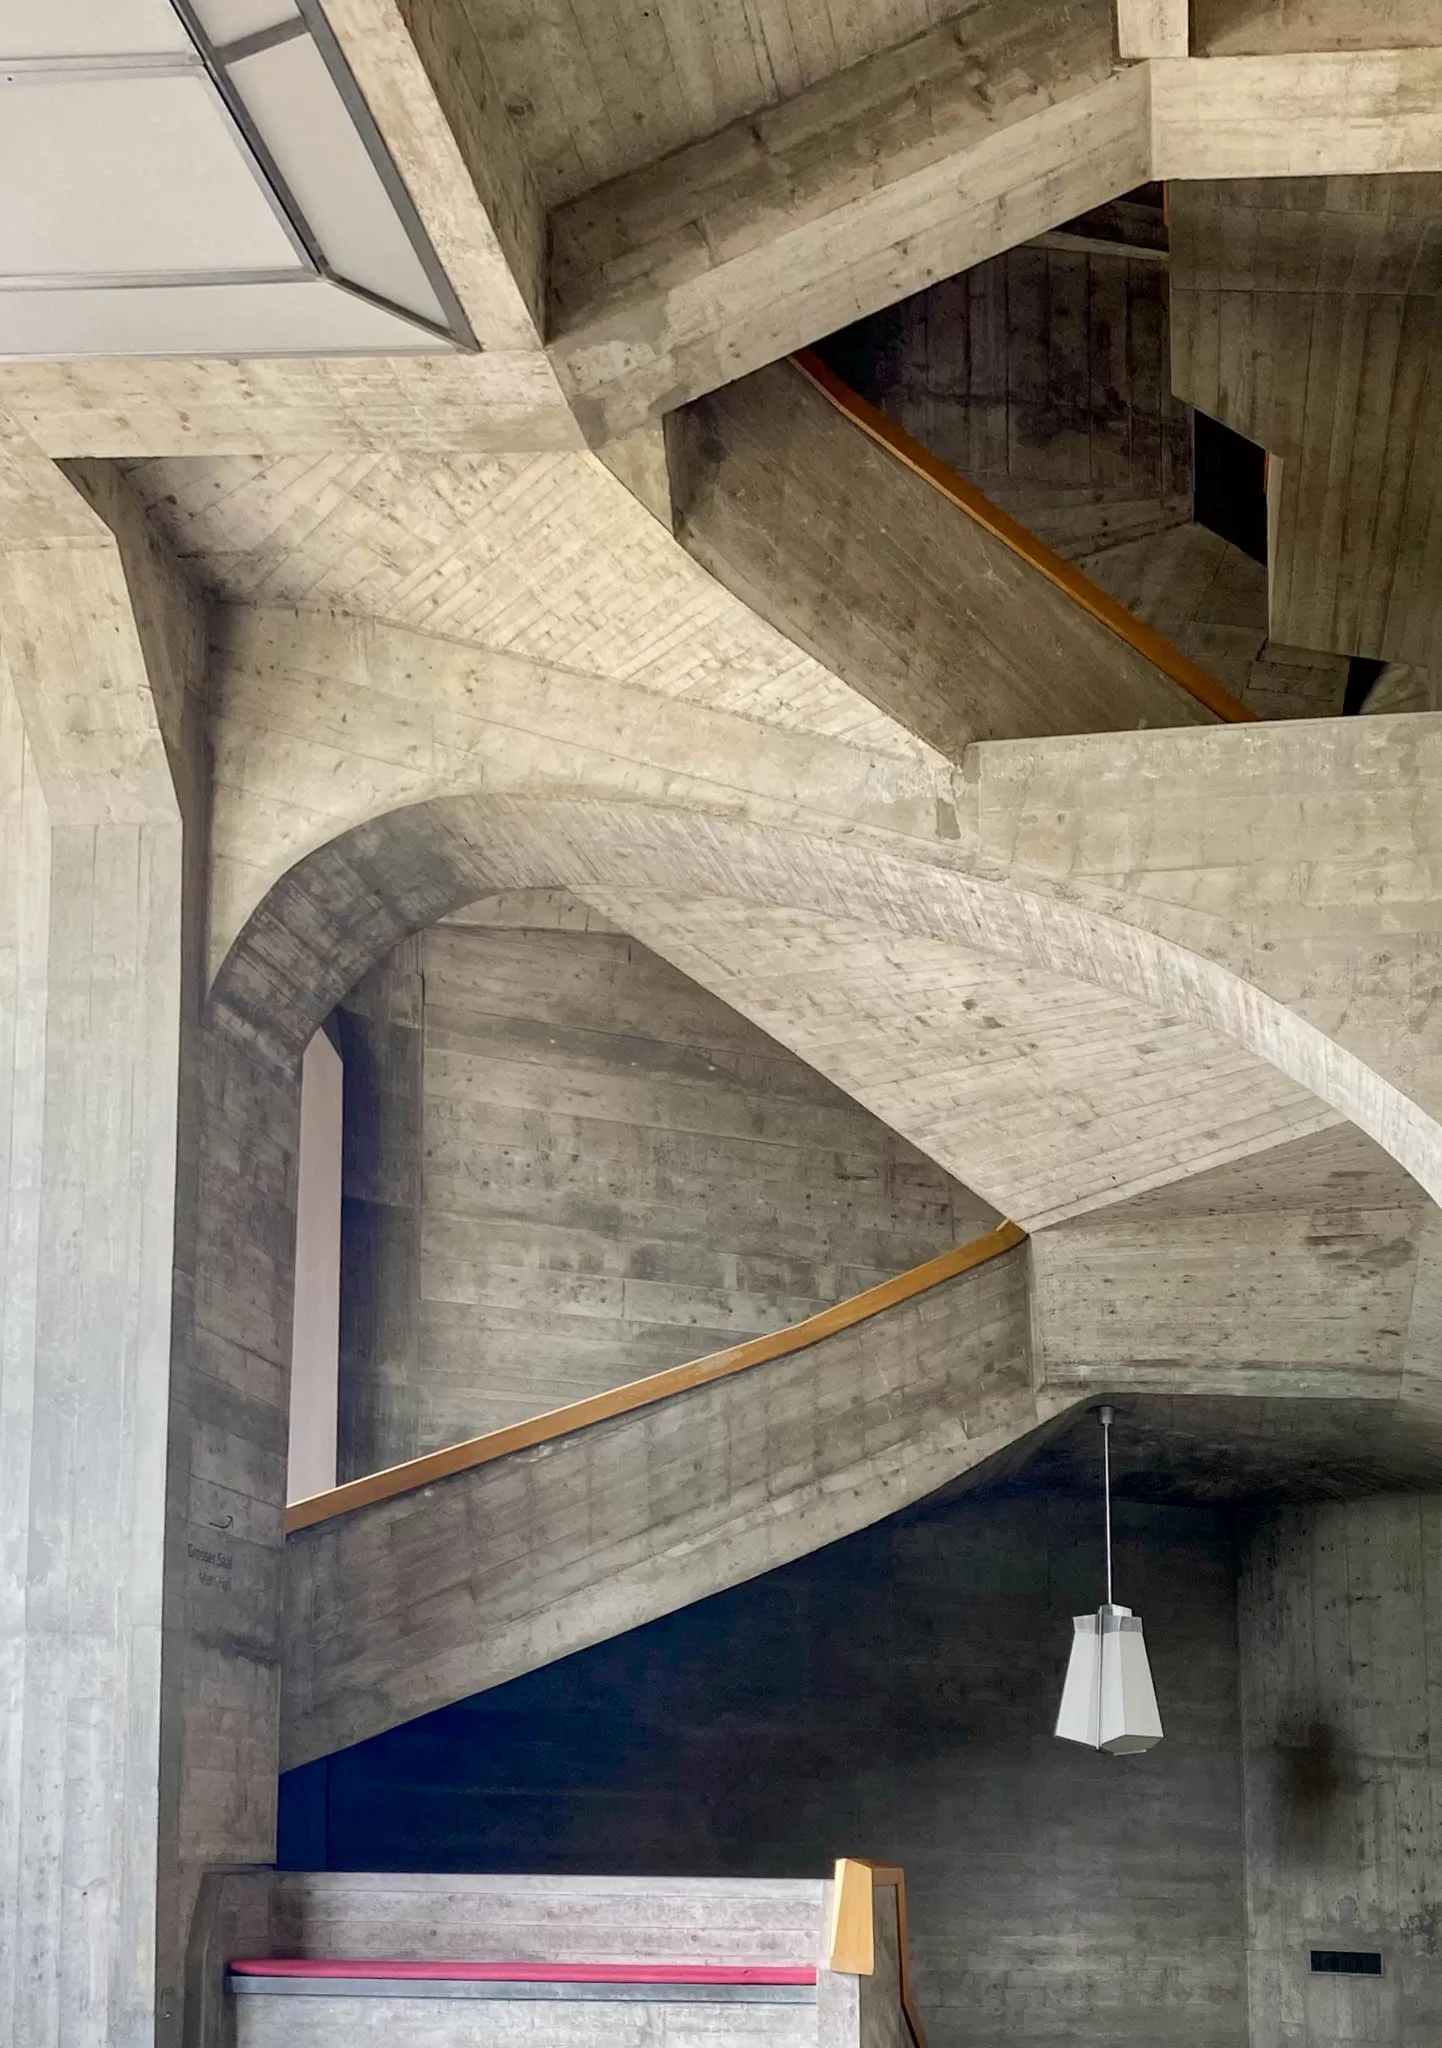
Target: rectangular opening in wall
1346	1962
315	1331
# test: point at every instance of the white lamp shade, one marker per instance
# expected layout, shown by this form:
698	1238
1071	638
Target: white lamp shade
1108	1701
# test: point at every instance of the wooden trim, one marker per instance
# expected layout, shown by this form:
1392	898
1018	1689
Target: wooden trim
659	1386
1180	668
853	1927
852	1947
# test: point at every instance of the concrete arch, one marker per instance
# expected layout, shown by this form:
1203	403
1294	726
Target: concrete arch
336	911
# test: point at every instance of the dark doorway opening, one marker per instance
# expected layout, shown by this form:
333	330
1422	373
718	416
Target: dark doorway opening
1230	486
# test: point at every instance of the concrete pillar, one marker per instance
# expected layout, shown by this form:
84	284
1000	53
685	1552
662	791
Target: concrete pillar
97	652
379	1025
1341	1638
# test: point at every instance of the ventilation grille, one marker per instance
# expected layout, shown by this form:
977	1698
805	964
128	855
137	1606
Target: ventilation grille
1347	1962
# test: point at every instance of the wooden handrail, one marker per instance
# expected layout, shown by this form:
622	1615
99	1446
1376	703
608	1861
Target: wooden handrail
853	1927
658	1386
1104	608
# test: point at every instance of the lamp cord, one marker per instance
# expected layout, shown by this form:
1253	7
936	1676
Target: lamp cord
1106	1418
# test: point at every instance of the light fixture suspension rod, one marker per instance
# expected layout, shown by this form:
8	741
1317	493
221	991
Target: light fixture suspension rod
1106	1422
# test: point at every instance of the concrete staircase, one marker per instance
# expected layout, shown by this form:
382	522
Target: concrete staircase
863	548
440	1578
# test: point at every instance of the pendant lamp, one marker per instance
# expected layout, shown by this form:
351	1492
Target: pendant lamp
1108	1701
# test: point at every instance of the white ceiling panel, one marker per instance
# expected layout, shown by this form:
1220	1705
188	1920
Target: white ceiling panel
306	318
226	21
296	106
128	175
89	28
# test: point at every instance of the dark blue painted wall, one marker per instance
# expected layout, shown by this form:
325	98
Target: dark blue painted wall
891	1696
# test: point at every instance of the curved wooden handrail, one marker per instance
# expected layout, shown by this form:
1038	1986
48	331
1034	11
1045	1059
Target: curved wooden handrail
658	1386
1012	534
853	1927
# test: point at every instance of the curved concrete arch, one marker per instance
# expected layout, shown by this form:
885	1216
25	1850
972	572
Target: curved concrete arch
328	724
324	722
338	910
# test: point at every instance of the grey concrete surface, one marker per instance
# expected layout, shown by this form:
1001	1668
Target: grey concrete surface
890	1696
100	656
566	1166
932	618
400	1606
1342	1726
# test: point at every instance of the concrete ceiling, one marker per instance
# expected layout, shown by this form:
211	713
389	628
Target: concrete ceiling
1189	1450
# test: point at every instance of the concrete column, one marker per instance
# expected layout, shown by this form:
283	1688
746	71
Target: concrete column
92	640
1341	1639
379	1025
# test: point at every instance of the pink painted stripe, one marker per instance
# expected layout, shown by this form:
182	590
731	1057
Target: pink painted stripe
528	1973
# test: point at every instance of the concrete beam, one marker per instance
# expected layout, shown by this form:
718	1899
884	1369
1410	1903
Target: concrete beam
908	167
1314	114
974	874
850	554
423	72
670	281
279	405
1151	28
1333	916
1242	28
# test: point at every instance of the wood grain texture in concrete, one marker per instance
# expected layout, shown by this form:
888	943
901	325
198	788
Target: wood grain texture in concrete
567	1166
1338	1622
863	563
1306	315
895	1691
91	883
1042	377
404	1605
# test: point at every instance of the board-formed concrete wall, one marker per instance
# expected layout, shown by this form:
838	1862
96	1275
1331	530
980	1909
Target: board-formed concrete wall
1044	377
1341	1634
890	1696
567	1165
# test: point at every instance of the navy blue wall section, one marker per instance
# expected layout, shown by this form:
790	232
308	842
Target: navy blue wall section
891	1696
